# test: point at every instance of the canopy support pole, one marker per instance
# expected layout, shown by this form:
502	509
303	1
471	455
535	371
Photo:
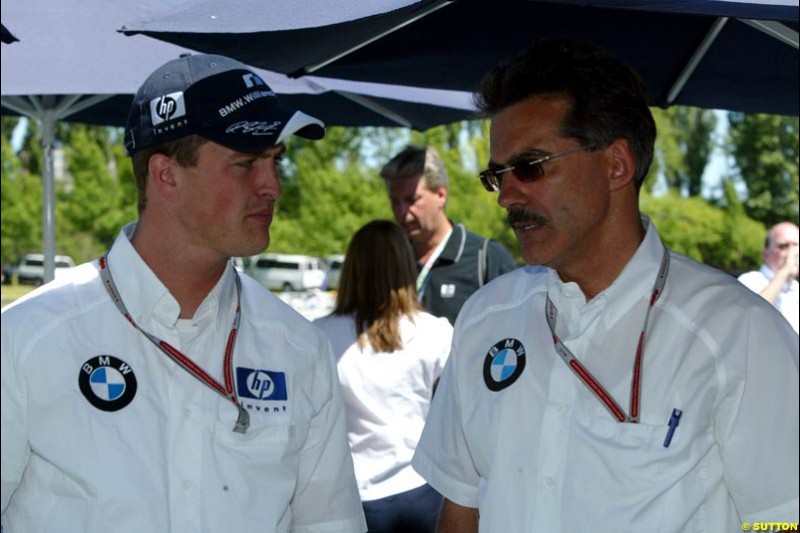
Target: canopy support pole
697	57
435	6
779	31
48	120
48	109
376	108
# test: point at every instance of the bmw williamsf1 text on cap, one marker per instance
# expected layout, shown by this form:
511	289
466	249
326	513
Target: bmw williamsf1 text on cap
216	97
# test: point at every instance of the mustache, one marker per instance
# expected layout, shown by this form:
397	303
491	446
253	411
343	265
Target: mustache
518	215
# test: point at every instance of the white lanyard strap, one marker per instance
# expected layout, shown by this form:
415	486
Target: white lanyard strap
424	275
551	312
228	390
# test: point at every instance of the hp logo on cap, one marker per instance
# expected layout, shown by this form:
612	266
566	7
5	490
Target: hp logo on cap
167	107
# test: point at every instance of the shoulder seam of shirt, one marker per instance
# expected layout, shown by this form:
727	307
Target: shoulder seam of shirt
499	306
71	314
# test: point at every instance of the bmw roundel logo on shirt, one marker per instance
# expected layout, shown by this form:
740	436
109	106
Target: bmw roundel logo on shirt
504	363
108	383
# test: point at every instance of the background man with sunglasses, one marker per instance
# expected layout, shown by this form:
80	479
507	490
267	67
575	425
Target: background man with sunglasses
624	387
776	280
453	262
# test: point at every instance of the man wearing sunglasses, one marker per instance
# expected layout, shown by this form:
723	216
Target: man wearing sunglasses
776	280
623	387
453	262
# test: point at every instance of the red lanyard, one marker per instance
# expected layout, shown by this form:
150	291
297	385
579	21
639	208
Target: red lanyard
587	378
228	390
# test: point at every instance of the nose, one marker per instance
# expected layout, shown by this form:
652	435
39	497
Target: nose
268	179
510	191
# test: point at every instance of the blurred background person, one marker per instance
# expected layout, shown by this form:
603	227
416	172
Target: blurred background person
776	280
452	262
390	355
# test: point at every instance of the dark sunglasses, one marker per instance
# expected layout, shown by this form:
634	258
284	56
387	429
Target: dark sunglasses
526	171
785	245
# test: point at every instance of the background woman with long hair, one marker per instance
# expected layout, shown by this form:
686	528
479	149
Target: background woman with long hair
390	354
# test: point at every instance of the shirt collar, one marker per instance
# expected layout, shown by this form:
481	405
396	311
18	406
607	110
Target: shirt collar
455	244
146	297
630	287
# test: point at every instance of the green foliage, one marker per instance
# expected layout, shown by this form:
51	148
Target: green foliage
97	197
765	148
20	204
328	193
683	147
693	132
31	154
96	205
724	238
332	187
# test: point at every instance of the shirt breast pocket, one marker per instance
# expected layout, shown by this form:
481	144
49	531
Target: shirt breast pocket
636	450
271	439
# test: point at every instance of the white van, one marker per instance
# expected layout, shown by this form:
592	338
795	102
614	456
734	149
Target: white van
335	263
31	268
284	272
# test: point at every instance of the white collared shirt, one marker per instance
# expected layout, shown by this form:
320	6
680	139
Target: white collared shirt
387	397
788	301
101	431
541	453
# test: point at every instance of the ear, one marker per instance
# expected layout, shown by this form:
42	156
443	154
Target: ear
441	194
621	164
161	169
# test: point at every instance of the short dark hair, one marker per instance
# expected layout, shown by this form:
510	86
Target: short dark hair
609	100
416	160
185	150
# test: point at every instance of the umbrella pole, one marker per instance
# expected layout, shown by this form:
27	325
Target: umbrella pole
310	69
698	56
48	196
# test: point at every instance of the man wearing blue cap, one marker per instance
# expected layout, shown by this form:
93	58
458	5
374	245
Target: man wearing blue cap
157	389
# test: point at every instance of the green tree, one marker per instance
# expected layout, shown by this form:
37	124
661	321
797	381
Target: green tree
30	154
693	132
328	192
20	203
97	197
765	149
721	237
93	208
683	146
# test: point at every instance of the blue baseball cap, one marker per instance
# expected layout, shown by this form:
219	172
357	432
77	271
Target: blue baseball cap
217	98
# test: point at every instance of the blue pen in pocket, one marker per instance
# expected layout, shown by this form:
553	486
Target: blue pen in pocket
674	420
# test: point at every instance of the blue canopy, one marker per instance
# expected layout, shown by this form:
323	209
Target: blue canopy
72	64
731	55
8	37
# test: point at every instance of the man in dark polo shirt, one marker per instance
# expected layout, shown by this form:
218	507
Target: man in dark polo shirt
453	262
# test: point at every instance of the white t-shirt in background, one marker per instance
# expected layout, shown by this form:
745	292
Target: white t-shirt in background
387	397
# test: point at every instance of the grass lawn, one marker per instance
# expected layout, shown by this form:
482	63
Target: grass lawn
10	293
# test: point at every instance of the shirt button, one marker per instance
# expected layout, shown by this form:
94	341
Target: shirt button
560	409
550	482
187	413
187	485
